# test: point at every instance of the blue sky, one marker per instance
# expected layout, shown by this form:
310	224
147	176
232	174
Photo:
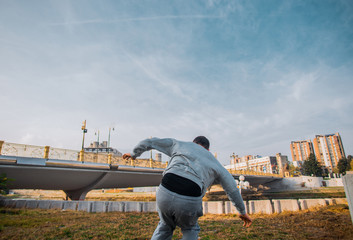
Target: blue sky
252	76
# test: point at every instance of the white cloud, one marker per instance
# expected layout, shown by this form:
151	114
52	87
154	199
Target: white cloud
169	72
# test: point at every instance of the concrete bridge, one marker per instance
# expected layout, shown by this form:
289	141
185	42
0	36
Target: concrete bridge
77	178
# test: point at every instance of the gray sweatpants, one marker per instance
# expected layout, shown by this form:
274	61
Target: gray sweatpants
177	210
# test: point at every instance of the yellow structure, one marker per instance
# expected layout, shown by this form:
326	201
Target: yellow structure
81	156
1	143
46	152
109	158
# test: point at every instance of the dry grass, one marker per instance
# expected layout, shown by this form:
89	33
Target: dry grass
216	194
94	195
332	222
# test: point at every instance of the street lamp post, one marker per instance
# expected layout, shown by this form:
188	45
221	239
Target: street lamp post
110	129
97	133
84	131
151	156
233	158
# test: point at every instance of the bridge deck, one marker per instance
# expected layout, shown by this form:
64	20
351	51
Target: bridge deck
77	178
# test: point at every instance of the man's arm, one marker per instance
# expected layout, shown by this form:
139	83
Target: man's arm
230	187
163	145
127	156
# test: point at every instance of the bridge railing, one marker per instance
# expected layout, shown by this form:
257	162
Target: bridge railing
47	152
25	150
249	172
118	160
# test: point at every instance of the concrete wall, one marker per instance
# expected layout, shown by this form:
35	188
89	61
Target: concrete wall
260	206
212	207
333	182
305	182
145	189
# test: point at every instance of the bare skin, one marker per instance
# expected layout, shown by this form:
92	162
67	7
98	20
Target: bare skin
245	217
127	156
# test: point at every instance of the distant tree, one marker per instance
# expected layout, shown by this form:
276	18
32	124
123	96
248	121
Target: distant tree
3	184
344	164
312	167
293	171
350	158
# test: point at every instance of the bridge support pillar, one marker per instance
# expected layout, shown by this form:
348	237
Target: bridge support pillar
76	194
80	194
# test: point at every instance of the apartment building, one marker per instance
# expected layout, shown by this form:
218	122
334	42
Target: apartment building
329	150
268	164
301	150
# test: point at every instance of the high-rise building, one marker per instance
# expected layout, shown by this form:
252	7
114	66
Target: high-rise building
301	150
329	150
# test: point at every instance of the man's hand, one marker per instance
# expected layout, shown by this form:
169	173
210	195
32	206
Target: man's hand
247	220
127	156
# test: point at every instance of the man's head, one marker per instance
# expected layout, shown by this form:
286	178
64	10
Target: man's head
203	141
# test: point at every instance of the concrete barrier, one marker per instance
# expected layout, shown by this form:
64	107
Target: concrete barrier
285	205
260	206
340	200
44	204
84	206
230	209
57	204
132	207
329	201
115	207
21	203
9	203
311	203
348	188
31	204
149	207
214	207
70	205
99	206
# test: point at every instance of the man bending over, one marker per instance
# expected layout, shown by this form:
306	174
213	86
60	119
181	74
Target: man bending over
192	169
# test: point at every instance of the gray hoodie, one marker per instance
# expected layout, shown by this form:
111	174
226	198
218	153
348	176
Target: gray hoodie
192	161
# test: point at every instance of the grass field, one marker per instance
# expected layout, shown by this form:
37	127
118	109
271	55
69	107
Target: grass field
331	222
